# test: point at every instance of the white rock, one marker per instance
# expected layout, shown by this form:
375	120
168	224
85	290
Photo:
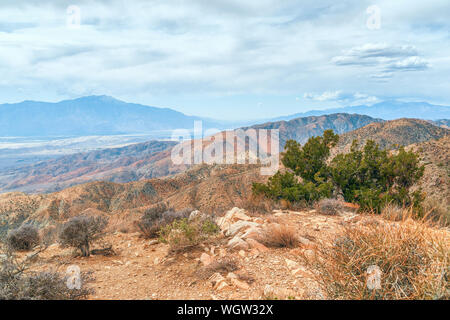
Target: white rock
206	259
291	264
241	225
237	243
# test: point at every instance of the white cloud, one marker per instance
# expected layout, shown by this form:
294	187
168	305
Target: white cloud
342	97
203	56
387	59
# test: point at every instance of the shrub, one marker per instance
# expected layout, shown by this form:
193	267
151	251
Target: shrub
279	236
309	164
155	218
24	238
413	259
182	234
17	284
373	178
81	231
329	206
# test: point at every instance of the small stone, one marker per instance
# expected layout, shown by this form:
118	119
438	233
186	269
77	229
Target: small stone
309	254
206	259
257	245
240	284
304	241
231	275
291	264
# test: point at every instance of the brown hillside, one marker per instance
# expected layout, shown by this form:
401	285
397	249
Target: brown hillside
211	189
391	134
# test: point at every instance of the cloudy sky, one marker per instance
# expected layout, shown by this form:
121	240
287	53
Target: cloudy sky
228	59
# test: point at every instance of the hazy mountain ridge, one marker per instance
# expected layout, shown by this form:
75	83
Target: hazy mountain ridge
93	115
387	110
301	129
148	160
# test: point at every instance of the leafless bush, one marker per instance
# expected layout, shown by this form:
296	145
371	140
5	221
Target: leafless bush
18	284
279	236
329	207
24	238
81	231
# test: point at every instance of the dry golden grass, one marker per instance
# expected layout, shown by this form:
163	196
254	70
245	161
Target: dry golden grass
413	258
432	214
279	236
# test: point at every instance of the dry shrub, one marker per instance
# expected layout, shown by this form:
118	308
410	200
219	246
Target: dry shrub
24	238
157	217
185	234
393	212
437	211
222	266
257	204
432	212
413	258
81	231
279	236
329	207
17	283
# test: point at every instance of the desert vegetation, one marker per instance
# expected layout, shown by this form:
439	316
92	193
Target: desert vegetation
382	260
369	176
157	217
24	238
19	282
186	233
81	231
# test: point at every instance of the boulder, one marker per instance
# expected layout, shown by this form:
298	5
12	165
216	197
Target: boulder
237	243
239	226
197	215
232	216
252	233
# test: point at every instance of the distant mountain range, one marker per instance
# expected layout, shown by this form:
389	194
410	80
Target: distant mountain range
104	115
150	159
93	115
387	110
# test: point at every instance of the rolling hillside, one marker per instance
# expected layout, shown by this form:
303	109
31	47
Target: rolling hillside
391	134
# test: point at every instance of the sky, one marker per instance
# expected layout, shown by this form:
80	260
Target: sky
227	59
